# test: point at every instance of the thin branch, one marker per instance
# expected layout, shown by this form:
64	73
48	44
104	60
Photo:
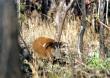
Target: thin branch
106	26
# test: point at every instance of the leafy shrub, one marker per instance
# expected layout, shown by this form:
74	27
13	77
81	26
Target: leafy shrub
97	62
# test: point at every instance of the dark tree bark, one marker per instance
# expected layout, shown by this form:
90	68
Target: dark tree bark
101	34
82	29
9	65
106	7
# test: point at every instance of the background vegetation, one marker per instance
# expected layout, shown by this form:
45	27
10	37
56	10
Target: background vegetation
83	25
41	19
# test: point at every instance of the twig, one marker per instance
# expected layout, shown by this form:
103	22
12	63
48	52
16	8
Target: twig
106	26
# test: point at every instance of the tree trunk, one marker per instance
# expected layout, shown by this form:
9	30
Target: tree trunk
60	17
9	65
82	30
101	18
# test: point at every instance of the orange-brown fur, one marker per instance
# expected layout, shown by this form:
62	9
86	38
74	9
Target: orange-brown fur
42	48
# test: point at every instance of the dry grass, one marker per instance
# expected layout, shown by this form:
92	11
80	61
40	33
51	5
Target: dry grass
34	28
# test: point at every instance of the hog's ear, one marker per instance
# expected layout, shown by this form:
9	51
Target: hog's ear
49	44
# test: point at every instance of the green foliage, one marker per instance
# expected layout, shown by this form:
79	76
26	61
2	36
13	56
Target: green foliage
22	6
22	17
107	63
39	6
97	62
52	75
